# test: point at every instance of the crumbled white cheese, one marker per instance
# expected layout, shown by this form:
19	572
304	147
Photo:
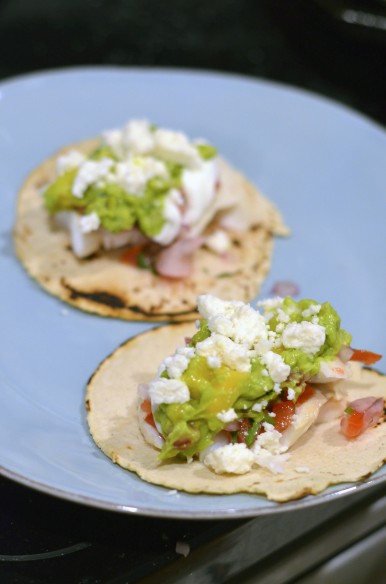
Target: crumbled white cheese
134	173
237	320
282	316
261	347
291	394
312	310
259	406
137	137
302	469
270	304
232	458
270	440
176	364
168	391
90	222
69	161
91	171
268	451
277	388
305	336
277	368
113	139
176	147
227	415
213	361
230	353
268	427
219	241
265	459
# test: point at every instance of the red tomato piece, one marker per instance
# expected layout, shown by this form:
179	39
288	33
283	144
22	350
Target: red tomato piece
130	255
366	357
305	395
146	406
284	411
353	424
149	419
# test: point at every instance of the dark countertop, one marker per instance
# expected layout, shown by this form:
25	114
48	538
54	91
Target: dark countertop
336	49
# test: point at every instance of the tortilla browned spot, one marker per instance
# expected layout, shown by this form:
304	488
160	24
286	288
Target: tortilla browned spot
103	284
322	457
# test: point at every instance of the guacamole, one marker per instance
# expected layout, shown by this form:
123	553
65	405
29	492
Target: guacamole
122	187
294	339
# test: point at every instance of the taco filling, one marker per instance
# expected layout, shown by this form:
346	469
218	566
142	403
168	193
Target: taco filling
145	188
250	383
137	223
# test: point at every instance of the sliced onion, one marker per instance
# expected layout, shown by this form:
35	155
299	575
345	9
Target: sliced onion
285	288
176	261
372	408
143	391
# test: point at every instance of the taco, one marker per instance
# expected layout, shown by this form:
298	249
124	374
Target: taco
136	224
272	402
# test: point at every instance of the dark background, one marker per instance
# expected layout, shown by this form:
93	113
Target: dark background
332	47
336	48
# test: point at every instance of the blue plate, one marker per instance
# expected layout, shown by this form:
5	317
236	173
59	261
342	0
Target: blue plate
322	164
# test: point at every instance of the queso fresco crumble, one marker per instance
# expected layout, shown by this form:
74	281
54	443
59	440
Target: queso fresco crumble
239	362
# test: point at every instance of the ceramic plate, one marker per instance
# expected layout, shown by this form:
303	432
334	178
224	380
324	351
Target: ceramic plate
322	164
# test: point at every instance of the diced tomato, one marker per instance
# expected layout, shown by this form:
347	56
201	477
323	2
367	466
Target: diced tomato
130	255
305	395
146	407
284	411
353	424
150	420
361	414
366	357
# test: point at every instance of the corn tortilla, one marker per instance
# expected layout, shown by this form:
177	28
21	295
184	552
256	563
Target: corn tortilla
104	285
321	457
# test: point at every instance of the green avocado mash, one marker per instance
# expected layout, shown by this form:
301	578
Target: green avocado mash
189	427
116	208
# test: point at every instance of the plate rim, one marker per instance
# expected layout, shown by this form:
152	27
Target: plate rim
248	512
190	71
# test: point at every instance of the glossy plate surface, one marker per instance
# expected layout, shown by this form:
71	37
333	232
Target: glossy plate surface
322	164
